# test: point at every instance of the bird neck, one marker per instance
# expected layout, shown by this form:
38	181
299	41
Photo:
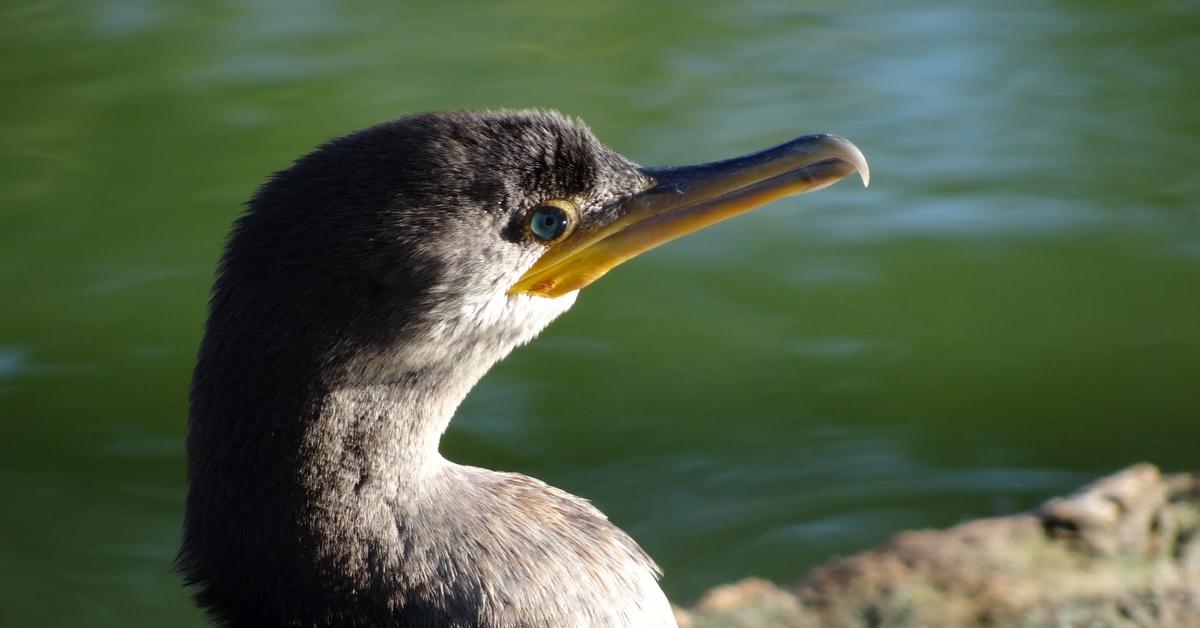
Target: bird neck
313	466
382	436
309	476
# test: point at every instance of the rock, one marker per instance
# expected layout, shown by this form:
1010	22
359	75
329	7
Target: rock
1123	551
750	603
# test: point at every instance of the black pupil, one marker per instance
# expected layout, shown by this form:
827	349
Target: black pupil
548	223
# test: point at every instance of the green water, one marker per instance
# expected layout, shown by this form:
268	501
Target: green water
1012	308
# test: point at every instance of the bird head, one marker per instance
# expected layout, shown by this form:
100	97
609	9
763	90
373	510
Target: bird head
460	235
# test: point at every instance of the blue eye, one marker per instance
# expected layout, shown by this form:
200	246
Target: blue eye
549	223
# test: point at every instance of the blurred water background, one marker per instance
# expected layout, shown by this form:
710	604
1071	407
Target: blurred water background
1012	308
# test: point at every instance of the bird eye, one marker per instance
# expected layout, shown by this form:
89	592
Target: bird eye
552	221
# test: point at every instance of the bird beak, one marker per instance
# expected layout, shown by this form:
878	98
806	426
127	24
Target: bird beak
685	199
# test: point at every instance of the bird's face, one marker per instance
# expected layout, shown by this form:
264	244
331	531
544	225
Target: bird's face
459	236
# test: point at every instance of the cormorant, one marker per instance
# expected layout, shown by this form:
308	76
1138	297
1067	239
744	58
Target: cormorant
362	293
